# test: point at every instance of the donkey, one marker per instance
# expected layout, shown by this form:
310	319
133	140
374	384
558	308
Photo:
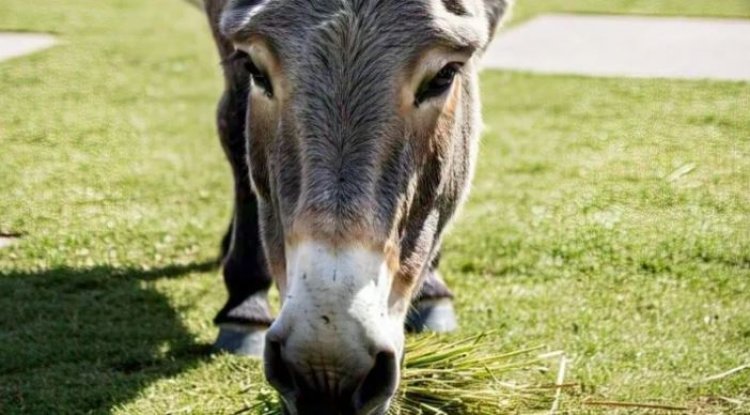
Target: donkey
351	127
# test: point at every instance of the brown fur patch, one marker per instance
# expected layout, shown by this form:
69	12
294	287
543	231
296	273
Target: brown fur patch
444	127
330	230
392	256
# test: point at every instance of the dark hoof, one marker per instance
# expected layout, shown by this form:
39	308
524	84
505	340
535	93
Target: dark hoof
435	315
241	340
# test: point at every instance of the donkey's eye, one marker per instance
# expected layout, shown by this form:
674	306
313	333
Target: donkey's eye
439	84
259	77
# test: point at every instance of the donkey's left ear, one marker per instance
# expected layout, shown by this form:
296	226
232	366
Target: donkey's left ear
497	12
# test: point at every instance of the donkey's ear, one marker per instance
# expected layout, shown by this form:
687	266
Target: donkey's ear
497	12
237	14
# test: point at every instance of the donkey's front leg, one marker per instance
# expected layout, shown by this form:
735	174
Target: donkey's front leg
246	316
432	308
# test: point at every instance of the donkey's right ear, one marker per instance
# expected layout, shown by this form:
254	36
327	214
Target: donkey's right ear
497	12
237	15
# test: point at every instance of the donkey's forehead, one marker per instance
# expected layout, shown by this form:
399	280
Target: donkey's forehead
291	25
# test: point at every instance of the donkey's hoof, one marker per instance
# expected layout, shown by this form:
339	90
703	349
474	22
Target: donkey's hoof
241	340
432	315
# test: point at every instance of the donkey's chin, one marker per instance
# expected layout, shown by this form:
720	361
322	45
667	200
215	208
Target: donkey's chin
334	410
372	396
381	411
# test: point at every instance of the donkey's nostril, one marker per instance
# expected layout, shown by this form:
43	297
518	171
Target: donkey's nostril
277	372
380	384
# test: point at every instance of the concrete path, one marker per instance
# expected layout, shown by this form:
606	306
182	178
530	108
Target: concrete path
17	44
7	241
626	46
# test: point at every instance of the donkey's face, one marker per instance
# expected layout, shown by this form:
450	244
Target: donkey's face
362	123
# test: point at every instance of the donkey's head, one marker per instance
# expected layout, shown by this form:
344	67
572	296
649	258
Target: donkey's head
362	126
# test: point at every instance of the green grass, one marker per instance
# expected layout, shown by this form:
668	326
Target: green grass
609	218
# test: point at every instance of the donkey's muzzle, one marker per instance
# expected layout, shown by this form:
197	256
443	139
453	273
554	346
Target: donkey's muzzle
310	391
334	347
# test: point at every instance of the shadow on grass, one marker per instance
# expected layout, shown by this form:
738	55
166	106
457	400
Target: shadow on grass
86	340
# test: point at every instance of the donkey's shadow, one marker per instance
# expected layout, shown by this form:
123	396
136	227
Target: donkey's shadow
85	340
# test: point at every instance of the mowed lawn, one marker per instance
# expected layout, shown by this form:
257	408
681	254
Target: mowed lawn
610	218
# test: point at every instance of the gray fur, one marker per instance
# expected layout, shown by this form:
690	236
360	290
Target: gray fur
341	155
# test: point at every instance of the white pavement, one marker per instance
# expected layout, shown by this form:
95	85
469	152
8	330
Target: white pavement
7	241
626	46
17	44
